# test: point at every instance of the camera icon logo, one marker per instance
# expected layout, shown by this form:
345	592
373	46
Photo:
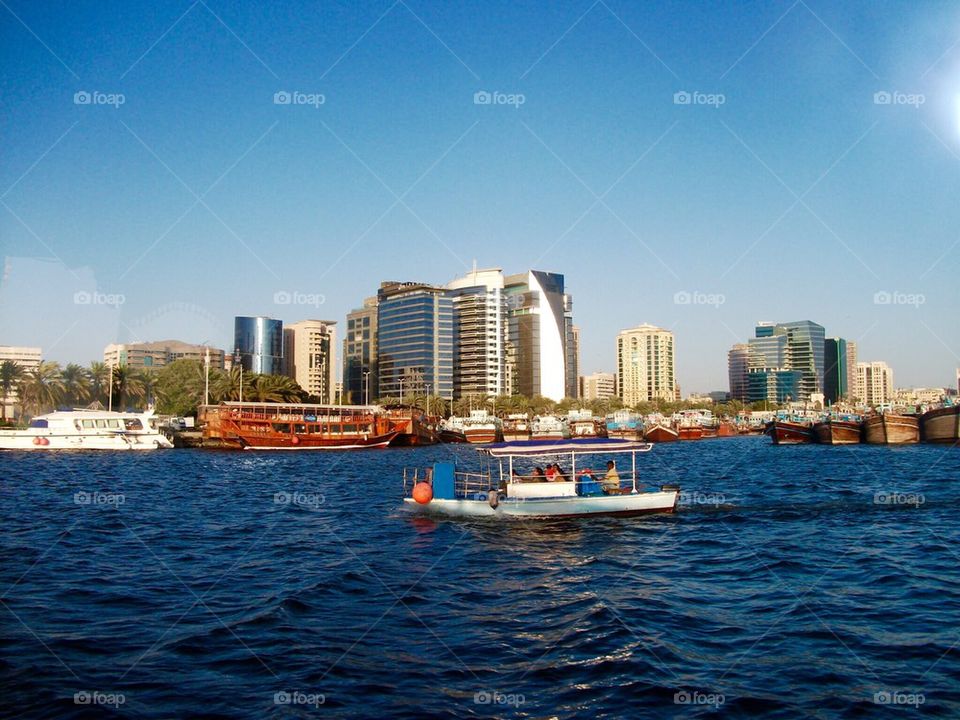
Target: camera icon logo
882	97
882	298
82	97
681	98
282	97
282	498
482	97
482	697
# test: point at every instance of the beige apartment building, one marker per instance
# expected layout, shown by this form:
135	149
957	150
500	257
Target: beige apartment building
645	364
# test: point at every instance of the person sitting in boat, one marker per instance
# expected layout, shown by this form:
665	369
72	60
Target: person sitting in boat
538	475
611	481
551	473
558	475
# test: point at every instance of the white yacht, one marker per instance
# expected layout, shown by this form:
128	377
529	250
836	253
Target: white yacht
87	430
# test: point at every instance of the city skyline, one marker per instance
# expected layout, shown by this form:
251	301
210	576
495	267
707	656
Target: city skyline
700	169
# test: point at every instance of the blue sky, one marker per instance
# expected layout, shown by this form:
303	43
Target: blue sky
785	189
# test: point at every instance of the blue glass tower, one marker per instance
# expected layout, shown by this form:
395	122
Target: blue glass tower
259	340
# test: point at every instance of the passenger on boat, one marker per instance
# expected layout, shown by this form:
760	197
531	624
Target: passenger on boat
611	481
538	474
551	472
558	475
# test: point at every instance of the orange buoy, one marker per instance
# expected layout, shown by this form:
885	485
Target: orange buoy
294	440
36	441
423	492
44	441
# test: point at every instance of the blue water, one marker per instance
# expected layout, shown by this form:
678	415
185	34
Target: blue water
781	589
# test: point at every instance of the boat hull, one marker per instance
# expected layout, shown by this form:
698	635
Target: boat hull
660	434
727	430
23	440
308	443
891	430
452	436
481	436
837	432
631	505
788	433
690	432
941	425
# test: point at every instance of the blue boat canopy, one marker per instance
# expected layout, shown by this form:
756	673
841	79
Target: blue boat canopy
585	446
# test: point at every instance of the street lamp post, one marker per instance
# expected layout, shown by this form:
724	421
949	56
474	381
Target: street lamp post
401	389
366	388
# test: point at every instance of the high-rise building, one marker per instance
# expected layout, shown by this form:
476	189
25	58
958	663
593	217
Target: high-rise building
598	386
309	354
414	340
835	371
480	329
874	382
851	369
540	335
159	354
645	364
360	383
791	346
738	367
259	341
573	351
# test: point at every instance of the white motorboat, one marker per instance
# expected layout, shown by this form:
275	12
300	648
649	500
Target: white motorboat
510	489
87	430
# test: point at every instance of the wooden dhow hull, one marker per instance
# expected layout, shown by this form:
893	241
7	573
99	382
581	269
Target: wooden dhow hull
690	432
660	434
891	429
727	429
789	433
837	432
941	425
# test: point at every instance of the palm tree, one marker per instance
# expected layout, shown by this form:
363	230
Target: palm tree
127	385
76	385
99	381
11	375
275	388
226	386
42	388
148	379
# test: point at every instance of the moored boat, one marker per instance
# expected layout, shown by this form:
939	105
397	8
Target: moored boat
549	427
941	425
891	429
785	432
413	426
515	491
286	426
482	427
625	424
834	431
87	430
516	426
727	429
583	424
710	431
660	433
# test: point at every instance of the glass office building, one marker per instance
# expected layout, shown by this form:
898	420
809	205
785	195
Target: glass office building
795	346
414	340
259	341
773	385
836	373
